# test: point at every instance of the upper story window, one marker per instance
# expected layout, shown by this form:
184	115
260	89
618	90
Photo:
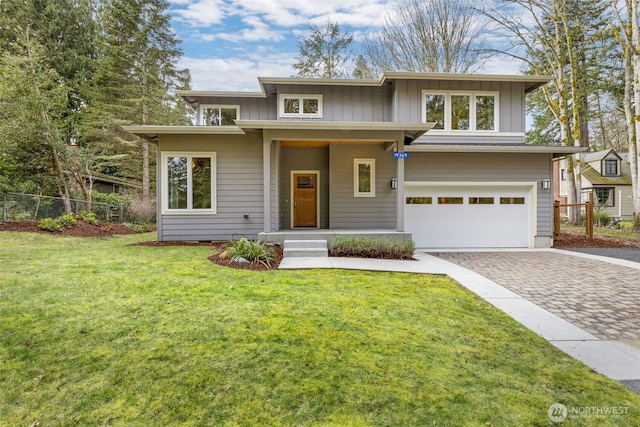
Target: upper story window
300	106
611	168
461	111
219	115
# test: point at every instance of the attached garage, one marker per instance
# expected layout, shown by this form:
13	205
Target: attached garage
471	214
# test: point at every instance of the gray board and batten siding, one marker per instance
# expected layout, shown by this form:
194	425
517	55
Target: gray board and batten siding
239	189
348	212
489	167
251	108
347	103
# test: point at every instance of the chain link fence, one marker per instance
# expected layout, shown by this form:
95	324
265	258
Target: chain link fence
20	207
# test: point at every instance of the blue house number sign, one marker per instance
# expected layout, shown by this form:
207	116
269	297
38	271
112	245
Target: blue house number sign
400	155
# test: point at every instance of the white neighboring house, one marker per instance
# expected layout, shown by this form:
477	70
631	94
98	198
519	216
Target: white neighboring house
606	174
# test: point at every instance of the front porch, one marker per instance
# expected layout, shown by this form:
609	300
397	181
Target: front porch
278	237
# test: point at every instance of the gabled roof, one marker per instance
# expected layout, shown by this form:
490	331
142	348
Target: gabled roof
599	155
595	178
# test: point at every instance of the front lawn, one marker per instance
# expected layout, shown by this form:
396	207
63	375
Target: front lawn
100	332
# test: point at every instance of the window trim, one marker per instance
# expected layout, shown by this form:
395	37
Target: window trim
609	161
203	106
356	176
165	185
612	198
473	95
301	98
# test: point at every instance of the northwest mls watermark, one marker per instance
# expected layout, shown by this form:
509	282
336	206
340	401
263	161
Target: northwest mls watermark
559	412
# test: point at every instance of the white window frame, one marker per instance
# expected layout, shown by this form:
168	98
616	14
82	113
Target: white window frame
301	98
165	185
356	186
203	106
472	113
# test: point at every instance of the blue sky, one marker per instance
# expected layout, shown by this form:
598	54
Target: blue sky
227	44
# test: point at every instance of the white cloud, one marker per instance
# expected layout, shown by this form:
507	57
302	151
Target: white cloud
255	31
501	64
201	13
237	73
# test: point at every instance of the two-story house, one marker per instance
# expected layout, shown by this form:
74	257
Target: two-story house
440	158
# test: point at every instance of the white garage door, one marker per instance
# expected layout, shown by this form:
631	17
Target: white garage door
469	215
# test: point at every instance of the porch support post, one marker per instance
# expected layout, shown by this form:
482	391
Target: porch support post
266	181
400	190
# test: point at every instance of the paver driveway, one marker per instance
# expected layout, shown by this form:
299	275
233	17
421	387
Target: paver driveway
597	296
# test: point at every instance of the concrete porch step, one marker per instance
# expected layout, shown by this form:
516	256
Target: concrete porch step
305	248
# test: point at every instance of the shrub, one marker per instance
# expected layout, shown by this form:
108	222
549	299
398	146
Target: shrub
88	217
68	220
251	250
49	224
367	247
140	227
602	219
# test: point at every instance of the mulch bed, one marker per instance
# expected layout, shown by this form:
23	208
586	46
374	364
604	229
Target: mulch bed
80	229
580	240
226	262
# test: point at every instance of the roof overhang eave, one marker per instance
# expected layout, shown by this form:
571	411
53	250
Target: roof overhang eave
556	151
151	133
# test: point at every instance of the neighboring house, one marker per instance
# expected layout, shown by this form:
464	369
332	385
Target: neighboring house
439	156
104	183
607	175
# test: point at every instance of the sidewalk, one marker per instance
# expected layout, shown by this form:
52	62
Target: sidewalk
612	358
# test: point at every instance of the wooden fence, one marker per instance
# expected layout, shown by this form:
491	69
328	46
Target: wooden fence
588	205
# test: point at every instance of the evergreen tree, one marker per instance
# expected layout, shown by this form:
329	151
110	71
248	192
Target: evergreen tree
325	53
33	104
134	83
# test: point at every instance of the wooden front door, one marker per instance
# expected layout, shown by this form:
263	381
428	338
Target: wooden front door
305	200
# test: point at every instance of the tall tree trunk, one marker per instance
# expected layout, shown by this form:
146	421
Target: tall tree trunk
48	134
146	183
634	15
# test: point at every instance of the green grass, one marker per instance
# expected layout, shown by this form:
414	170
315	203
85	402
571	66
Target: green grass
625	231
98	332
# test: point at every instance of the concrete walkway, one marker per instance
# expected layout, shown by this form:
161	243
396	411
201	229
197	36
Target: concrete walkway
614	358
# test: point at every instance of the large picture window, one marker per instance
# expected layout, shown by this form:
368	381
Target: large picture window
190	182
300	105
461	111
364	172
219	115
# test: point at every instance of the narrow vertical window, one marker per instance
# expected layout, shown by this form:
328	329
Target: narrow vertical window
485	112
460	112
201	177
434	109
364	177
177	182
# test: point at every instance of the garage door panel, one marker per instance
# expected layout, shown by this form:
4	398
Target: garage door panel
489	224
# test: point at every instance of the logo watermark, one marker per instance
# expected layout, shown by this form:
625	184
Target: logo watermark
558	412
